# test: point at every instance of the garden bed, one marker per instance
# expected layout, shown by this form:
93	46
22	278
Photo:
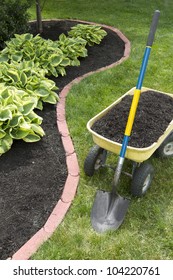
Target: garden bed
33	174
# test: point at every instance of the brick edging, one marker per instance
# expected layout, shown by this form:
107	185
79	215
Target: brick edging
71	184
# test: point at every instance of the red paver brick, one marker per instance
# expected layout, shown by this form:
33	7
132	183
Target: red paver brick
31	246
56	216
65	91
70	188
63	128
61	105
72	164
68	145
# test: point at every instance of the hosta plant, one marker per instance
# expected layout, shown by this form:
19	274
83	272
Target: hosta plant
24	64
72	48
26	75
17	118
93	34
44	53
53	56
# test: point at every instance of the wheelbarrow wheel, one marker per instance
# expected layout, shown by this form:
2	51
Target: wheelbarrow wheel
142	178
95	159
166	148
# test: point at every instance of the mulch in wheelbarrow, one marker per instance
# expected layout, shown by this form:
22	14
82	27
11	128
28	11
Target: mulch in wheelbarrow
154	113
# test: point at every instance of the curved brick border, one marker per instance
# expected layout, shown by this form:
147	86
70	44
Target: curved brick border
71	184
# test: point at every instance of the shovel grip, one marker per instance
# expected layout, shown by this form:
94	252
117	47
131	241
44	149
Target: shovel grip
153	28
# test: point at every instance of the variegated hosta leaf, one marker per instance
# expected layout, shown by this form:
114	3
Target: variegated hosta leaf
31	137
42	91
5	143
52	99
13	75
2	133
34	118
37	129
18	133
28	107
16	120
55	60
5	114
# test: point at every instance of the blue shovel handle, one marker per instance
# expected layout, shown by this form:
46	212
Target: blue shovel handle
139	83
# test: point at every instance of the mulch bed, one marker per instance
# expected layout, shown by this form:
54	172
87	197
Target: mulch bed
33	174
154	113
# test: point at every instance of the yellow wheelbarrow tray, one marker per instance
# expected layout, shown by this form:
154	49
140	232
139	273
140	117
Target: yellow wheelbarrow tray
132	153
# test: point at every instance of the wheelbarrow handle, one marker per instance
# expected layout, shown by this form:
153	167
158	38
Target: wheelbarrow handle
153	28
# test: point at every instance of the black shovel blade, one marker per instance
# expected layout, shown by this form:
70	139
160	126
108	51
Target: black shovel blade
108	211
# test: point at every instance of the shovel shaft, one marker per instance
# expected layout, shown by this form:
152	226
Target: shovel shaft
118	172
143	67
135	101
137	92
136	98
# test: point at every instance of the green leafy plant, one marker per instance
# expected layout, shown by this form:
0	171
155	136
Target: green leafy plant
44	53
72	48
27	76
53	56
24	64
93	34
17	118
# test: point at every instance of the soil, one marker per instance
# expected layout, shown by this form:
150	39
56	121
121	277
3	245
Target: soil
149	123
33	175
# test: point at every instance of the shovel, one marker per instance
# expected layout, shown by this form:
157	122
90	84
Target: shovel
109	208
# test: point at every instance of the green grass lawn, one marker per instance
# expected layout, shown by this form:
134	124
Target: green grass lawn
147	231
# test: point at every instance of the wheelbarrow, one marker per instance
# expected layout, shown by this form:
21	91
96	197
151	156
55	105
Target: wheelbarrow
142	170
109	208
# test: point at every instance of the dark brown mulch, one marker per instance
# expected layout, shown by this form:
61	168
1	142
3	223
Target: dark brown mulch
154	113
33	175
